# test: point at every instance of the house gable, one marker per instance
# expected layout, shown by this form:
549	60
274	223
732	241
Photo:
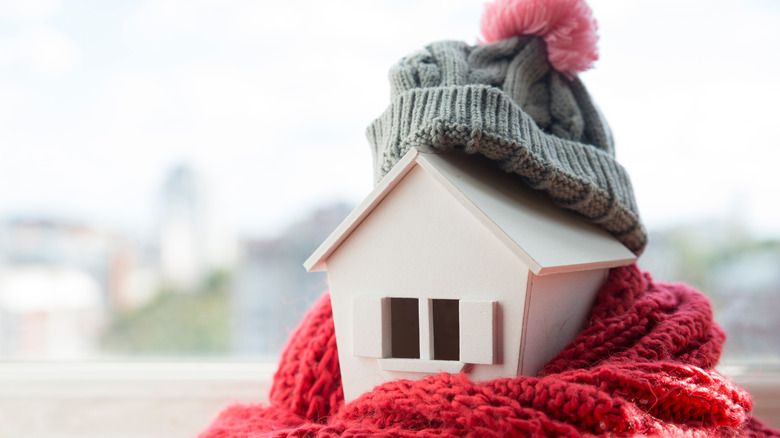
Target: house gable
549	238
546	237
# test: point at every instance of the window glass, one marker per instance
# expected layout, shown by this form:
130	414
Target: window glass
446	329
166	166
70	290
739	273
404	328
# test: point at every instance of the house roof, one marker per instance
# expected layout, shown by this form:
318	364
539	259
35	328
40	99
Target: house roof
546	237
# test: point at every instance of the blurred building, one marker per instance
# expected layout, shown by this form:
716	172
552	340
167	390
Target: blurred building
747	290
272	290
190	244
59	282
182	227
738	272
48	312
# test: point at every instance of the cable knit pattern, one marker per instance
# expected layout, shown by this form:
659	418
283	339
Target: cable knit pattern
503	101
642	367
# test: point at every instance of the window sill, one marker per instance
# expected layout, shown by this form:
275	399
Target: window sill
763	385
421	366
123	399
180	399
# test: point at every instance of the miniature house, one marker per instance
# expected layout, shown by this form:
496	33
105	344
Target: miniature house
452	265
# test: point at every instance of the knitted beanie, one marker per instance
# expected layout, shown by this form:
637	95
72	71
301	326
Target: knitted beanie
518	102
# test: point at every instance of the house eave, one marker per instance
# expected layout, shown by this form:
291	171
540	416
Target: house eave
603	264
543	260
598	251
317	261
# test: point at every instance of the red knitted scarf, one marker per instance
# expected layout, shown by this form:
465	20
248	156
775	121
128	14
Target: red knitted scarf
643	366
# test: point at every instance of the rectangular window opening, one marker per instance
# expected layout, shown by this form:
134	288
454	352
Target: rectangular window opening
446	330
405	328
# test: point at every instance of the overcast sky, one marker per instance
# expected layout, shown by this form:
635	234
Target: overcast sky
270	100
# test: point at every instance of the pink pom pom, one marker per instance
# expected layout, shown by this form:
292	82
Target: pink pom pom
567	26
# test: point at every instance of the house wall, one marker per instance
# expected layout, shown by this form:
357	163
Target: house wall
557	307
420	242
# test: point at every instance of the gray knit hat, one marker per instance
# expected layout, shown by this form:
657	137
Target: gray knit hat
503	100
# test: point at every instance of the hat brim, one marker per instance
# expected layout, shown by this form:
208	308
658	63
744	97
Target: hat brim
484	120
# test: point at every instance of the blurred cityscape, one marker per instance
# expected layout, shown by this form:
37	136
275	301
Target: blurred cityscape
72	290
78	291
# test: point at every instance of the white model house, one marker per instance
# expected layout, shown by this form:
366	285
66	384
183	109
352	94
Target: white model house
451	265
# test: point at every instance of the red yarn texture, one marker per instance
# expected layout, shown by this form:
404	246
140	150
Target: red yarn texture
642	367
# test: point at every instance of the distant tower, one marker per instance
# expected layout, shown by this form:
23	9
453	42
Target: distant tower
183	230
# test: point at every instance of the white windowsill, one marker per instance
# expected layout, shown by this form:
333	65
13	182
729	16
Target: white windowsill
131	379
421	366
124	399
180	399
